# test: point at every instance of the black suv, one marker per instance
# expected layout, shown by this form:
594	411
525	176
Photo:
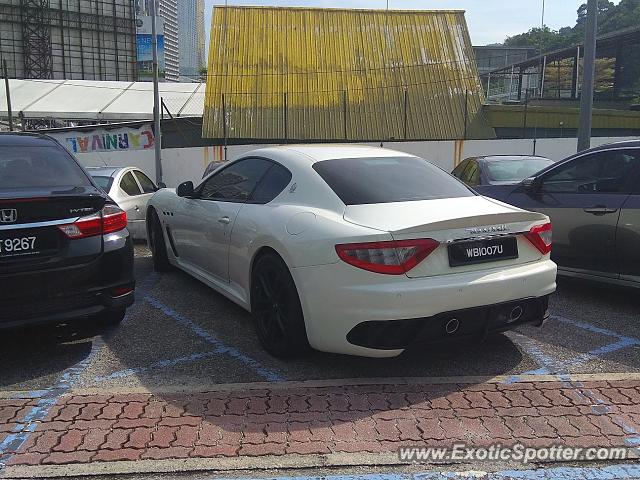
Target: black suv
65	251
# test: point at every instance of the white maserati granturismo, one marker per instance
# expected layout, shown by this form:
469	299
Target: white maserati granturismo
355	250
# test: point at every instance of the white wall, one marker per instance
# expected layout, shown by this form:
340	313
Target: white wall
181	164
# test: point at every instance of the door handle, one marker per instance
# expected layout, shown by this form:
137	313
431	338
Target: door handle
224	220
600	210
136	208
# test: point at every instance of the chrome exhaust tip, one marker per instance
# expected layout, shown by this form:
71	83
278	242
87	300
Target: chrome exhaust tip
452	326
516	314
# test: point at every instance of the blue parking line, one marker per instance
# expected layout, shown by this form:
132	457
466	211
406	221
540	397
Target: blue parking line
49	397
559	368
220	347
159	364
592	328
39	412
598	352
611	472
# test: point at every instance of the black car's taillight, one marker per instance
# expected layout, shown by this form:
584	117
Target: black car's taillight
110	219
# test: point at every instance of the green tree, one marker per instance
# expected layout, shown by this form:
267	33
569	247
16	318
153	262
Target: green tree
611	18
544	38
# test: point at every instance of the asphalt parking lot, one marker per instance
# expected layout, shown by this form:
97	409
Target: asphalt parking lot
181	333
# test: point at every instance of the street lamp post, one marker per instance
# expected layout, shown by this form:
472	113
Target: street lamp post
156	95
589	73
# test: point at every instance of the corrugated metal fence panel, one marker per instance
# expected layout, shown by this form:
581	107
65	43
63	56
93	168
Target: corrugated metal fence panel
329	74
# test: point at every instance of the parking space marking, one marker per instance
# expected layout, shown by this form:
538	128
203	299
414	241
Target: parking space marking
599	406
594	329
39	412
597	353
49	397
220	347
159	364
549	365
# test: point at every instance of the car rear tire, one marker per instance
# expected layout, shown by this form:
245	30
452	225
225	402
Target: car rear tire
157	244
276	308
111	318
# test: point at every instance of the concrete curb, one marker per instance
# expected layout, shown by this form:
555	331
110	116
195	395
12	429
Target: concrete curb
349	382
268	462
222	466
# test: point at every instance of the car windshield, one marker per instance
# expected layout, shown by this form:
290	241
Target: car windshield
28	166
103	182
359	181
514	169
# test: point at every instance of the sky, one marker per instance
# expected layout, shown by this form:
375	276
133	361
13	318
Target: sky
490	21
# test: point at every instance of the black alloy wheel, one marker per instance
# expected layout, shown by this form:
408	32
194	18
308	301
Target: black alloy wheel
276	308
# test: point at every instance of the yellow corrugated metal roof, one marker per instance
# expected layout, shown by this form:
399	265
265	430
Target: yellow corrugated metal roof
332	74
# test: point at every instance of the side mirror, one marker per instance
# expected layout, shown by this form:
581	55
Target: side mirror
185	189
162	185
531	184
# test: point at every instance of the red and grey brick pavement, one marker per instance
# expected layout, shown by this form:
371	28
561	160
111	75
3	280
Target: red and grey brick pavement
324	420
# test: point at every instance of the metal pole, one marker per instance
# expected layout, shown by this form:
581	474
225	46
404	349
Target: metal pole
542	67
6	86
156	94
524	120
406	108
586	100
344	112
224	125
544	73
466	113
575	81
511	81
285	105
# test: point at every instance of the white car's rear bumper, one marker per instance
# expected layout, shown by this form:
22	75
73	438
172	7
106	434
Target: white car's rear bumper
337	297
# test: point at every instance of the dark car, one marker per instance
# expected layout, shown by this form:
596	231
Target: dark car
65	251
484	173
593	200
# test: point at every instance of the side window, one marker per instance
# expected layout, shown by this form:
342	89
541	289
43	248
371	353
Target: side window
274	181
600	172
236	182
457	172
473	173
465	176
145	182
129	185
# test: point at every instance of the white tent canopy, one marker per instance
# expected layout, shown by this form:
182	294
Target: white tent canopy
99	100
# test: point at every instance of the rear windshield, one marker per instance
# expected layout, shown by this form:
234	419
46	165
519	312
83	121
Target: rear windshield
514	169
360	181
26	167
103	182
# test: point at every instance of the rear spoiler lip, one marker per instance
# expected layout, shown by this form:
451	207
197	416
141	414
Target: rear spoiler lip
483	237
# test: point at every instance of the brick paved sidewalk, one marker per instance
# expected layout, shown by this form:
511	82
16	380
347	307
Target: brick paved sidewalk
375	418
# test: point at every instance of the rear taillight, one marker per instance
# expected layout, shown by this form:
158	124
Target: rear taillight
541	237
114	219
391	258
110	219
